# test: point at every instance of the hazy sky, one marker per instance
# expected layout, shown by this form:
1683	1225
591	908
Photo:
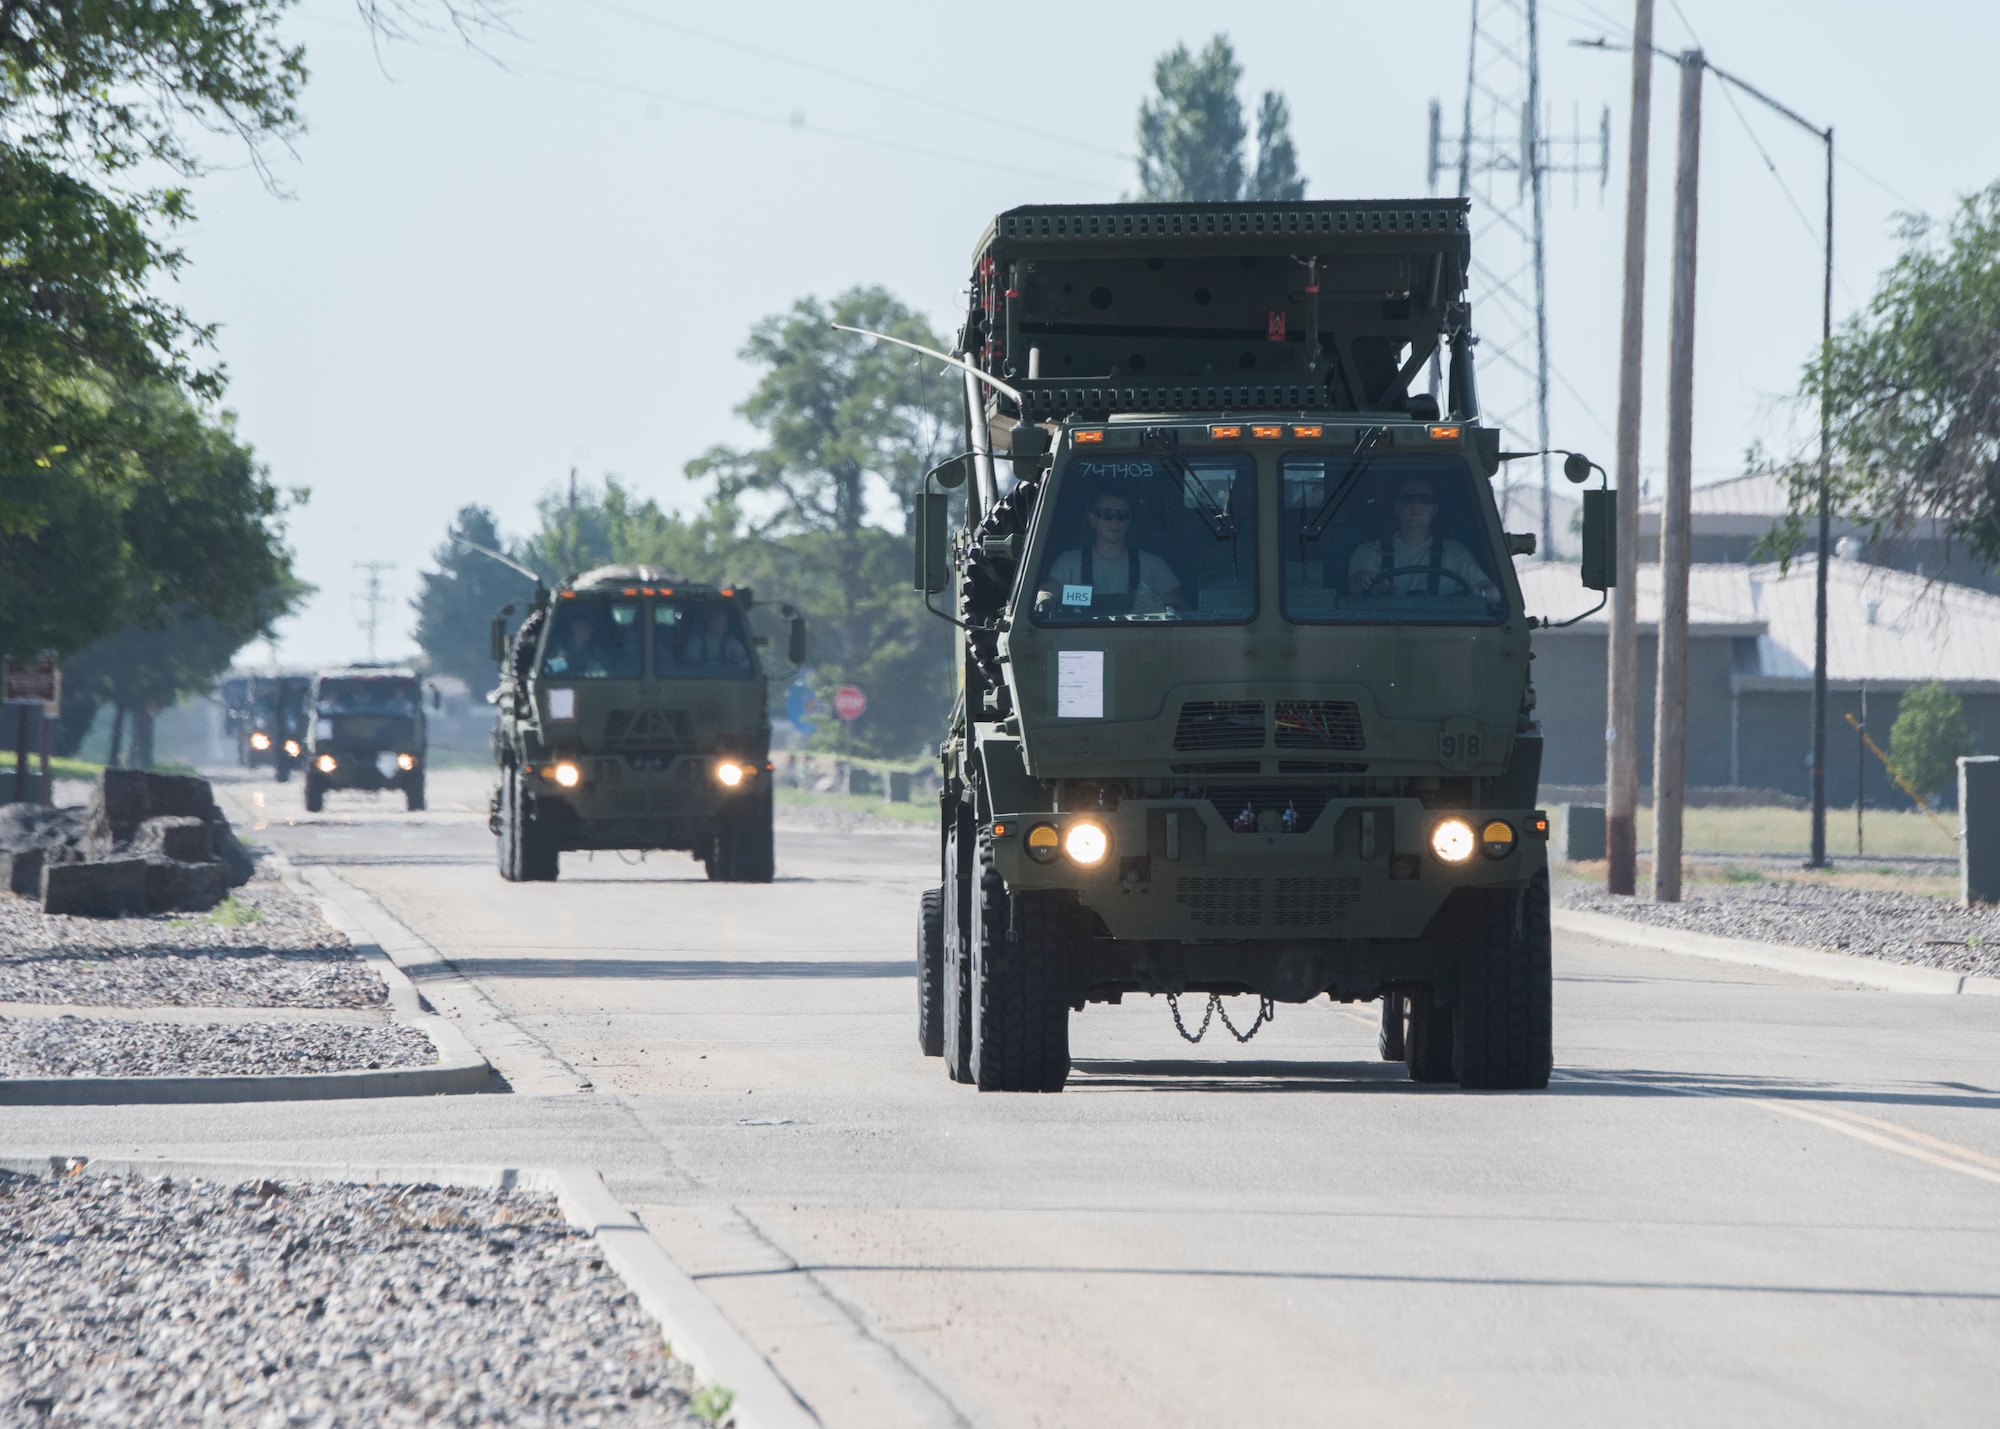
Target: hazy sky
494	268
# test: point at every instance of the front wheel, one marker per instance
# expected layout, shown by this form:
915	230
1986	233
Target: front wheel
529	851
282	771
1427	1037
315	793
413	794
1505	1018
745	850
930	972
1020	991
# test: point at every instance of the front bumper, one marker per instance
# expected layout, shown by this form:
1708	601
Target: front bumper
1177	871
617	803
362	768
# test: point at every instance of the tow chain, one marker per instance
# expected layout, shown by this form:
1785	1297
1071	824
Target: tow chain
1266	1011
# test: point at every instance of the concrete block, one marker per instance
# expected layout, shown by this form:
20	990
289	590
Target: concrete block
1583	832
115	889
861	781
184	887
21	872
175	836
1979	830
899	787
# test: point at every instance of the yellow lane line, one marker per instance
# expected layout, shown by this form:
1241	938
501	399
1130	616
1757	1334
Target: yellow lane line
1954	1157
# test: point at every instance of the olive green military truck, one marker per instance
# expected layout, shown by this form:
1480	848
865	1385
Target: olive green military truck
1245	702
366	731
633	714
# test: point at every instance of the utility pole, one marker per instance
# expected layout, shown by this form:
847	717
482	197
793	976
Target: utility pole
1818	859
1670	690
1861	772
372	599
1621	733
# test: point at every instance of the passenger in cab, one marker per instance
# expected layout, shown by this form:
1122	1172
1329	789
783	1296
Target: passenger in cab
1413	560
712	647
1109	575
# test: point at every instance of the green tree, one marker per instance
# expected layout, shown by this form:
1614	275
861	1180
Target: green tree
1192	134
1914	388
1929	737
458	600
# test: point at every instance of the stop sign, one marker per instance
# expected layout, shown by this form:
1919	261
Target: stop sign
849	703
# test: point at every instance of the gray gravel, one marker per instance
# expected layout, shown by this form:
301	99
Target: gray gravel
102	1047
1894	927
287	957
134	1301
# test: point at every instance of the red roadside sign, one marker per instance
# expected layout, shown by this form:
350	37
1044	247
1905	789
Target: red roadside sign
33	682
849	703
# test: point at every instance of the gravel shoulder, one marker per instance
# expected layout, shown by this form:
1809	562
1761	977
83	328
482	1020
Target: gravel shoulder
139	1301
102	1047
1892	927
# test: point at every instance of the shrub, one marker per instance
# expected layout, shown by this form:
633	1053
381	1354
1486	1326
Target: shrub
1928	738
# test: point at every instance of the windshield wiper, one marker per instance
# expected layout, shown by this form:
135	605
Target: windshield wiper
1168	443
1358	462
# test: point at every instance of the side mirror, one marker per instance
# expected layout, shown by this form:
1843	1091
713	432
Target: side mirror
1600	535
795	651
932	572
950	475
1576	466
499	639
437	698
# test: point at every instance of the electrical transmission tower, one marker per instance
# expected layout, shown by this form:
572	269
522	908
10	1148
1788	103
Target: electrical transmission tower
371	599
1504	155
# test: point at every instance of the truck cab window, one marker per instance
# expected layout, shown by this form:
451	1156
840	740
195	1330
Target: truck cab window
700	640
1127	539
594	640
1393	539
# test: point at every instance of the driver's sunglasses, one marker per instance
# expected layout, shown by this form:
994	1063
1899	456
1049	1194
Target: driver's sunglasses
1103	513
1413	500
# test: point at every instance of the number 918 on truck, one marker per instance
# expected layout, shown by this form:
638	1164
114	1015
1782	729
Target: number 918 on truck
1244	700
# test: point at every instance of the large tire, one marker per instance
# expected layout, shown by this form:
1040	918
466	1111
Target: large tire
507	834
744	851
282	770
1389	1041
413	794
529	852
957	988
930	972
315	793
1020	991
1427	1038
1504	1019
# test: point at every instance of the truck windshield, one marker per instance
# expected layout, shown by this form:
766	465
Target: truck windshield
1129	540
700	640
1405	543
595	640
367	697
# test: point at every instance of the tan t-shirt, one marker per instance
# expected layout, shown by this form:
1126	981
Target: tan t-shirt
1156	578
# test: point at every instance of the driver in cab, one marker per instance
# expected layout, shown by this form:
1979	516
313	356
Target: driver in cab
1414	561
582	653
1110	575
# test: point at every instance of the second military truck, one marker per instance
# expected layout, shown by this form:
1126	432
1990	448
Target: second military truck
1245	703
367	732
633	714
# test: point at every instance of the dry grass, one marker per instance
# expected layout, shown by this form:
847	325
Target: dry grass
1777	830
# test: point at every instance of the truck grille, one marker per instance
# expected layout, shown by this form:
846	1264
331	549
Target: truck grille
1308	803
1303	902
1319	724
649	729
1220	724
1222	902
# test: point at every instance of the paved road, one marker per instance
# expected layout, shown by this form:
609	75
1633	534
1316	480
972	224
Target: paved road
1748	1199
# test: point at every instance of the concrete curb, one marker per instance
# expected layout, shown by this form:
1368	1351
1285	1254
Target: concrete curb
1773	957
694	1329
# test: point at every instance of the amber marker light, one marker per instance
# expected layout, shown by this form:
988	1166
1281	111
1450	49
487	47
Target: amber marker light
1042	842
1225	434
1497	838
1444	434
1095	434
1541	825
999	831
1451	840
1266	434
1307	434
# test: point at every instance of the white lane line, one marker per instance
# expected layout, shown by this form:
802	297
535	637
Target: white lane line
1886	1135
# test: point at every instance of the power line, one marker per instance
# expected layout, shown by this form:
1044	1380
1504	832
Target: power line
1011	125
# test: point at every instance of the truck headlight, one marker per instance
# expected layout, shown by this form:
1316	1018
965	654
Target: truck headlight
260	740
326	764
292	748
1497	838
567	775
1452	841
406	762
729	774
1087	843
1042	842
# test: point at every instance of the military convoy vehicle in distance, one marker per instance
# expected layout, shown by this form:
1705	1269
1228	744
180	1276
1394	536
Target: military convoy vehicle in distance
267	716
633	713
1245	701
367	732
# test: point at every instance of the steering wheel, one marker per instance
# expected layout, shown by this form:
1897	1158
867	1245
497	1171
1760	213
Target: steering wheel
1394	571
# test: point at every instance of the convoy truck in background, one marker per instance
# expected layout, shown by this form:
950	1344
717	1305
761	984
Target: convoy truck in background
366	732
266	714
633	714
1244	702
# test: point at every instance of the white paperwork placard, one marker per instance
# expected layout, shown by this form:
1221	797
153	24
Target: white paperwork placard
1079	684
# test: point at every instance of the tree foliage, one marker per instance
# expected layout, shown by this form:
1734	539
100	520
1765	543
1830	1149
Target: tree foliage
458	600
1929	737
1914	386
1192	134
